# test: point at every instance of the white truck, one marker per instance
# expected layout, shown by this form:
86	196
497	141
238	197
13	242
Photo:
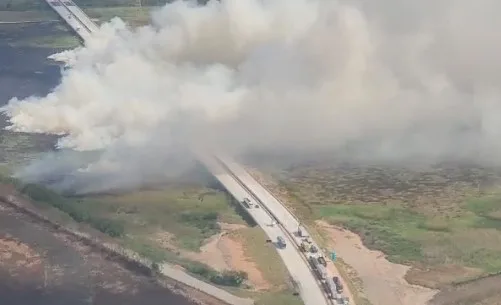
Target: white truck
281	242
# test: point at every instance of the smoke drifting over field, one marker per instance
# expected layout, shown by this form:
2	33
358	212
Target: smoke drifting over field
390	79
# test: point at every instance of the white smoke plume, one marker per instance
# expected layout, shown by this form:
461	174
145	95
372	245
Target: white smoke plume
391	79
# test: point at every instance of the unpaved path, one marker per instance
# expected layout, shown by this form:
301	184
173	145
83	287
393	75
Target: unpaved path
383	281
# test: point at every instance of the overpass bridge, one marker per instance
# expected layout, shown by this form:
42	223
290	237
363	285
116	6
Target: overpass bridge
267	211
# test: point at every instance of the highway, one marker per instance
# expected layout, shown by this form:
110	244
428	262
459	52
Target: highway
308	286
76	19
268	212
290	223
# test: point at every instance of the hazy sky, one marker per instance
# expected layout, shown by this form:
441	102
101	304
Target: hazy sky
389	78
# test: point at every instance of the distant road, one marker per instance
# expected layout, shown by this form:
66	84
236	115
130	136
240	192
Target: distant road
79	22
308	286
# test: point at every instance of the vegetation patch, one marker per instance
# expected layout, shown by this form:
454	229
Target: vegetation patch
264	255
278	298
134	16
437	224
388	229
56	41
427	216
206	222
225	278
76	210
190	213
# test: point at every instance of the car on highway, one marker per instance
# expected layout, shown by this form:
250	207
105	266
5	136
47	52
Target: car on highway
281	242
246	202
322	261
338	283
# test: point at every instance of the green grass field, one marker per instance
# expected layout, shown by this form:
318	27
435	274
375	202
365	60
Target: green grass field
176	210
54	41
446	215
264	255
411	237
133	16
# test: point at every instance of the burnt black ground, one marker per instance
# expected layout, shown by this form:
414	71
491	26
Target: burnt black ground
67	272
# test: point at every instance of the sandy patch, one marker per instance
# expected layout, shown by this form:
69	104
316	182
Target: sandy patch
17	254
383	282
164	239
221	252
118	287
229	227
210	254
238	260
215	252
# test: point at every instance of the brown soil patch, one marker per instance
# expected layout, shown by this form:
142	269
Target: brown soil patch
213	253
238	260
220	252
229	227
441	276
164	239
480	292
118	287
383	282
15	254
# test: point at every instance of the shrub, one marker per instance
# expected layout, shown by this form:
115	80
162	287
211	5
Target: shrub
108	226
75	210
226	278
206	222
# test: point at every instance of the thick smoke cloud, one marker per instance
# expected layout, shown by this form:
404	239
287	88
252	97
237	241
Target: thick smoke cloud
386	79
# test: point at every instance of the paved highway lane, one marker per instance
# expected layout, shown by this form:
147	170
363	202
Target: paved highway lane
309	288
280	212
78	13
83	28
